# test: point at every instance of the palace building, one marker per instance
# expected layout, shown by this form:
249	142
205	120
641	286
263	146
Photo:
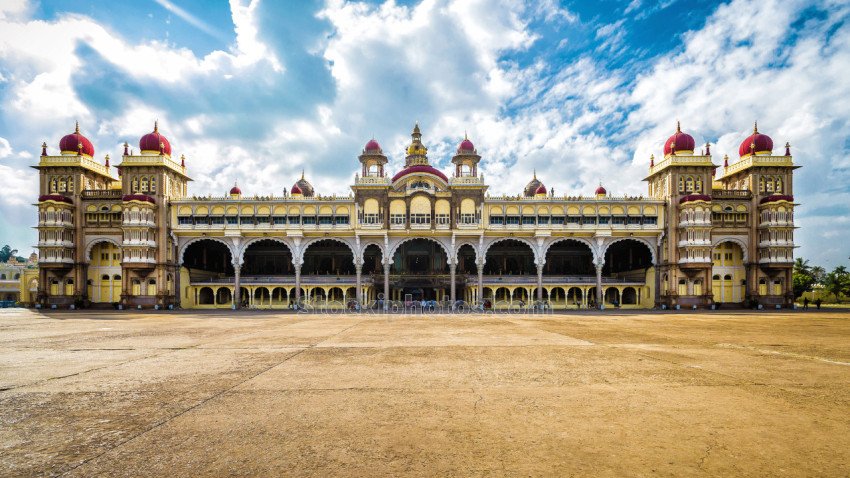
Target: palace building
700	237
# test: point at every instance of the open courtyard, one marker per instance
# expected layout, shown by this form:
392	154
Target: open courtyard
735	393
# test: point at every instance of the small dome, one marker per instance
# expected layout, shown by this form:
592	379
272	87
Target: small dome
531	188
466	146
295	189
600	191
70	143
154	142
679	142
305	186
235	191
540	189
756	143
372	146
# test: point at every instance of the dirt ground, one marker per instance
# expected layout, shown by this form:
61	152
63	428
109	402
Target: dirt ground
270	394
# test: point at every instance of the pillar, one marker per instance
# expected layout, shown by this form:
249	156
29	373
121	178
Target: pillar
387	285
481	283
297	283
452	270
599	302
358	293
237	286
539	282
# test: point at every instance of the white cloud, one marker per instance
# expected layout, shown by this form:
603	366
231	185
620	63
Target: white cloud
5	148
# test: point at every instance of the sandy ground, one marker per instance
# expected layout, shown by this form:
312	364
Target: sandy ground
588	394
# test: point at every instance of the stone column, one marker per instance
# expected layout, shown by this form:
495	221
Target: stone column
452	271
481	283
599	303
358	293
387	285
297	283
540	282
237	285
178	298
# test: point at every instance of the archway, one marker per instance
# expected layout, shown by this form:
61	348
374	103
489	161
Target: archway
223	296
421	269
729	273
466	260
104	265
510	257
208	259
569	257
266	257
206	296
328	257
628	260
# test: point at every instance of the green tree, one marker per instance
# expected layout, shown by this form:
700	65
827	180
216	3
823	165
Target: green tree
837	282
6	252
819	273
802	277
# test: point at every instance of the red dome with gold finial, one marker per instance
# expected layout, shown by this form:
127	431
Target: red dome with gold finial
600	191
295	189
76	143
154	142
466	145
372	146
756	143
679	142
235	191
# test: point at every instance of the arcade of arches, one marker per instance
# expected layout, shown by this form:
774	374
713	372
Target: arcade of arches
420	269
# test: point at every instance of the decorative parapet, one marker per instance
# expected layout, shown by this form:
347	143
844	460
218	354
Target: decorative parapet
755	161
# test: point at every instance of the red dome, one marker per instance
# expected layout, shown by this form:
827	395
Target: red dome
235	190
152	141
695	197
420	168
466	146
601	190
540	189
70	143
372	145
679	142
138	197
295	189
756	143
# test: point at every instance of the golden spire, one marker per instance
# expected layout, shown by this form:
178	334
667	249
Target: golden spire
302	173
756	127
678	127
464	135
535	173
156	126
77	127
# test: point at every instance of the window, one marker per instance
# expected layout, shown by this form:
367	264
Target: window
153	184
294	219
589	220
232	219
279	220
442	219
511	219
573	219
341	219
217	220
397	219
618	220
528	220
309	220
184	220
420	219
497	220
650	220
326	220
543	220
604	219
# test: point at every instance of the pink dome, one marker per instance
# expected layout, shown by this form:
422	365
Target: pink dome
466	146
679	142
153	141
420	168
295	189
601	190
70	143
235	190
372	146
540	189
756	143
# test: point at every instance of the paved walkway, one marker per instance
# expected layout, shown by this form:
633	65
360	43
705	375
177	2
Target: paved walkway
260	393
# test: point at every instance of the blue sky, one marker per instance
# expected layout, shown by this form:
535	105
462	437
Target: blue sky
583	92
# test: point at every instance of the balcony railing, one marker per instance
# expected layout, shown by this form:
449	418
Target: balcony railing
731	194
101	194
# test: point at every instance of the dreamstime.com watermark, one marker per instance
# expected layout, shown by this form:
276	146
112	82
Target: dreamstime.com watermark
425	308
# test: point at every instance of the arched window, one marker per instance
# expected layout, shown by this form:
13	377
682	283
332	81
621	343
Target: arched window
689	184
144	185
135	187
70	184
153	184
54	185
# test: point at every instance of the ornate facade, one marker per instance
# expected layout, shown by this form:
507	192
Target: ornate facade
139	239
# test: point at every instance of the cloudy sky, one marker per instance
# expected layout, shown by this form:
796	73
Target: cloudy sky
583	92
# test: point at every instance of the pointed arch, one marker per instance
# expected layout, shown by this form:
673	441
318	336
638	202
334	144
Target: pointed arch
716	241
641	240
525	241
244	246
314	240
580	240
394	248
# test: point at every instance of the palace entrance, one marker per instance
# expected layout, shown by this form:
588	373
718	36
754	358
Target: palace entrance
420	271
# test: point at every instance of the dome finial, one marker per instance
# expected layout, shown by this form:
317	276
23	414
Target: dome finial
756	127
464	135
156	126
678	127
302	173
535	173
107	162
77	127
